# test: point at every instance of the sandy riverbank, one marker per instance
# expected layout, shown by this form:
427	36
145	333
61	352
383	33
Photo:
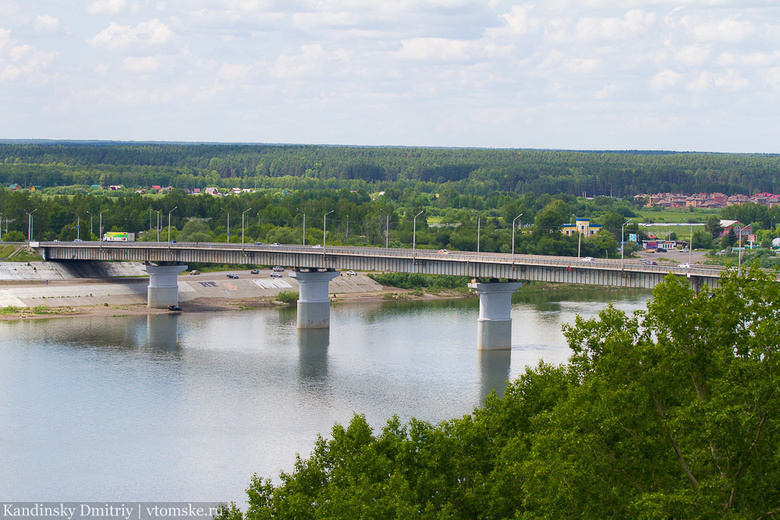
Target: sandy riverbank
26	299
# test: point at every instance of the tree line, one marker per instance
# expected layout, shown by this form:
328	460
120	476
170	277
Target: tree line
468	170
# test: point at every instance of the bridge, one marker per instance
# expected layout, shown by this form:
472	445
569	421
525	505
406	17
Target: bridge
314	267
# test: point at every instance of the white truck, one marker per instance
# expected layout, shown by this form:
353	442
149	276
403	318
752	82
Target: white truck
118	236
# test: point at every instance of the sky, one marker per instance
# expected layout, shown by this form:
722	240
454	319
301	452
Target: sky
701	75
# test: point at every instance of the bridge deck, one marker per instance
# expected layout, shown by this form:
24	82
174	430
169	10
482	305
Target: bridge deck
625	273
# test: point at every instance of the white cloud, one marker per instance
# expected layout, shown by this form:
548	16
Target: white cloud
107	7
664	80
729	30
693	55
142	64
121	38
517	22
707	81
25	63
45	24
634	22
309	62
756	59
439	49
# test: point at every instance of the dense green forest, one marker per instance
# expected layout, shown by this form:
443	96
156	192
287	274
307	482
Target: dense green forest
672	412
467	170
469	198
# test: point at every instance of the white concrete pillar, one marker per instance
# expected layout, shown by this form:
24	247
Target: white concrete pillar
494	326
163	287
313	300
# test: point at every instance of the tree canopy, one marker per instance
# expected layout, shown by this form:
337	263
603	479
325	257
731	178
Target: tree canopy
672	412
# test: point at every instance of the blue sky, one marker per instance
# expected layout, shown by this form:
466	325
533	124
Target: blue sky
702	75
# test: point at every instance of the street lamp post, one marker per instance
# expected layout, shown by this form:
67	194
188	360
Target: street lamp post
623	241
30	224
100	215
513	238
169	223
90	224
414	237
242	225
159	222
1	227
325	228
228	227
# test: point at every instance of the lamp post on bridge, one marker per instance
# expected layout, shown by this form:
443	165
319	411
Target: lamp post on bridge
100	215
1	227
414	237
169	223
325	228
623	241
242	225
30	223
90	224
387	230
513	237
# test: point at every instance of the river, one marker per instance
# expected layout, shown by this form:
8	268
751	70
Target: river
189	407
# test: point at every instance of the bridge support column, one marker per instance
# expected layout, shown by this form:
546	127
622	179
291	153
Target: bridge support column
313	301
494	326
163	287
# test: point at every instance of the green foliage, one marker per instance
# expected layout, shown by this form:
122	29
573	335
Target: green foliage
432	283
287	297
672	412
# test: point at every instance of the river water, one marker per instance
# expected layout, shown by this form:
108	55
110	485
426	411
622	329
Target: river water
189	407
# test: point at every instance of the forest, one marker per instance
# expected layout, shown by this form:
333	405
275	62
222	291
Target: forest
672	412
466	170
469	198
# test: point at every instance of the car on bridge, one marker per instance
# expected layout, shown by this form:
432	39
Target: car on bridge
587	259
684	266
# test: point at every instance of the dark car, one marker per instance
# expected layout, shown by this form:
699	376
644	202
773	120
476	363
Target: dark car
174	308
233	276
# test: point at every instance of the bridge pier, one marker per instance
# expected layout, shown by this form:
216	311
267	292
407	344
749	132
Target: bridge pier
494	326
313	301
163	287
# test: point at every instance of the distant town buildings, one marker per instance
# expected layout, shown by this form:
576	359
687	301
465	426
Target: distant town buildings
706	200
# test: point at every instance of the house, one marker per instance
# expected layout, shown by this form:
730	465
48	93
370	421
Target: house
583	226
156	187
212	190
116	187
737	226
196	191
14	187
96	187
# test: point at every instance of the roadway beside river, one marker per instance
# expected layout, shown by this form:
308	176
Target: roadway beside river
36	284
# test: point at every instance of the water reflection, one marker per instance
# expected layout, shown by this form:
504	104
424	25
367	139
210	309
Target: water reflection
493	370
313	354
162	331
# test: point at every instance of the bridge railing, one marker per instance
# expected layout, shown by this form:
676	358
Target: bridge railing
419	254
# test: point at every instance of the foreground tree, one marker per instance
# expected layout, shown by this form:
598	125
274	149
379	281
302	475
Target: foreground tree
672	412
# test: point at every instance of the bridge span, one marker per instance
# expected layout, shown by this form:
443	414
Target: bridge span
315	266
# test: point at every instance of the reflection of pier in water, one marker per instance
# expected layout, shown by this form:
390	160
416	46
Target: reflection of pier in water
313	355
162	332
493	371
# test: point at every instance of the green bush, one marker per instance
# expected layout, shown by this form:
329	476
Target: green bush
287	297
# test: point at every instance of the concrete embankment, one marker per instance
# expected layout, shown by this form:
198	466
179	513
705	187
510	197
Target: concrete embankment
124	283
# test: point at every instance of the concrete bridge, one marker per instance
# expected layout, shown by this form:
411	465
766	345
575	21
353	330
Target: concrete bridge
314	267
